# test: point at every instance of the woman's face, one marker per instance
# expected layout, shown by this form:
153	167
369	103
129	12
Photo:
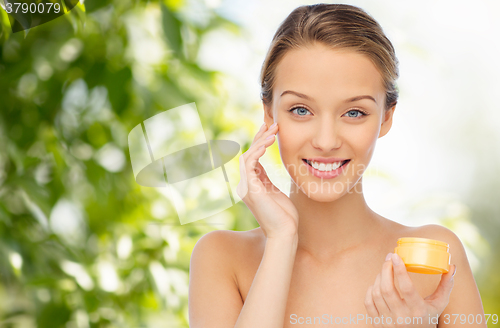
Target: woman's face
328	104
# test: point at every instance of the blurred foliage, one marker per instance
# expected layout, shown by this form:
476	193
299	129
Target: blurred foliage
81	243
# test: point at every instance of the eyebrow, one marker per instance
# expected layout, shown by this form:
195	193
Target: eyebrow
301	95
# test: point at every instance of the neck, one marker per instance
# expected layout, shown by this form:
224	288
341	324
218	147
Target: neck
326	229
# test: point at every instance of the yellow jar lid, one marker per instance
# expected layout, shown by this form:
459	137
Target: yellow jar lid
422	240
422	255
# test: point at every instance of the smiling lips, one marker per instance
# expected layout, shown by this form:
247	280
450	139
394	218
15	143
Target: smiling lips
326	164
326	159
326	168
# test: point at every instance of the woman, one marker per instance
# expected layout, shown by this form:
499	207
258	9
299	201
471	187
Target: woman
328	91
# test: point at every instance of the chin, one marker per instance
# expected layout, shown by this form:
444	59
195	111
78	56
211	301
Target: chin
325	196
323	191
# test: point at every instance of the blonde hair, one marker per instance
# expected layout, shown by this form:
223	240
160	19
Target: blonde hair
338	26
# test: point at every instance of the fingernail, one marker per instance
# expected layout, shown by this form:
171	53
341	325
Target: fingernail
388	256
263	125
272	126
396	259
261	147
454	271
270	137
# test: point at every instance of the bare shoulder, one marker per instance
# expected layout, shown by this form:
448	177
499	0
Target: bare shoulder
433	231
465	297
439	232
436	231
229	248
214	295
231	241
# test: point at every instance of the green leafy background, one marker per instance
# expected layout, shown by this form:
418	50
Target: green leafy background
68	91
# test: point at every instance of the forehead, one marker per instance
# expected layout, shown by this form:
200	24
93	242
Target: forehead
322	72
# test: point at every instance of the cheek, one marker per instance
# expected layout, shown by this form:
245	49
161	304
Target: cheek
290	143
287	141
364	136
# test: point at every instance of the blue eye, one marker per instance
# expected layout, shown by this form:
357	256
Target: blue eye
354	111
301	111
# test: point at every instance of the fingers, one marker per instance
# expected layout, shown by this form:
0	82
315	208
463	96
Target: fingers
260	139
410	295
387	288
441	296
242	187
255	152
262	129
378	299
371	309
250	181
261	173
383	299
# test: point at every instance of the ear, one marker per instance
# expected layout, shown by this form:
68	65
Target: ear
387	121
268	112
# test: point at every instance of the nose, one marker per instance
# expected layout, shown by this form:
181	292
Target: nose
326	135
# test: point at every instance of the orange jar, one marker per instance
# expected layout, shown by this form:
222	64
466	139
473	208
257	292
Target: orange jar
422	255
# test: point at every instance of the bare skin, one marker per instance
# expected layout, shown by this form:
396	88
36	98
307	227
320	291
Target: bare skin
320	251
337	287
316	287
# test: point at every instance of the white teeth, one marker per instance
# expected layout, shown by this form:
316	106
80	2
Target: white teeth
325	167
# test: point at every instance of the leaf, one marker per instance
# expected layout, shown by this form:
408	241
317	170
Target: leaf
93	5
5	29
172	30
76	15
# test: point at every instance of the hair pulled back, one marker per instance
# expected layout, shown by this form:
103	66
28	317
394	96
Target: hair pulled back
339	26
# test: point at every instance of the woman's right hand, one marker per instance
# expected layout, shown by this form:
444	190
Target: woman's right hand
273	210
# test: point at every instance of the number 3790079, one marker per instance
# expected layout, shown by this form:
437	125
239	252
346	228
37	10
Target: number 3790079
41	8
469	319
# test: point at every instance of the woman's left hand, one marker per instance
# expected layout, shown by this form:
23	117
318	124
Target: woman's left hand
384	301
